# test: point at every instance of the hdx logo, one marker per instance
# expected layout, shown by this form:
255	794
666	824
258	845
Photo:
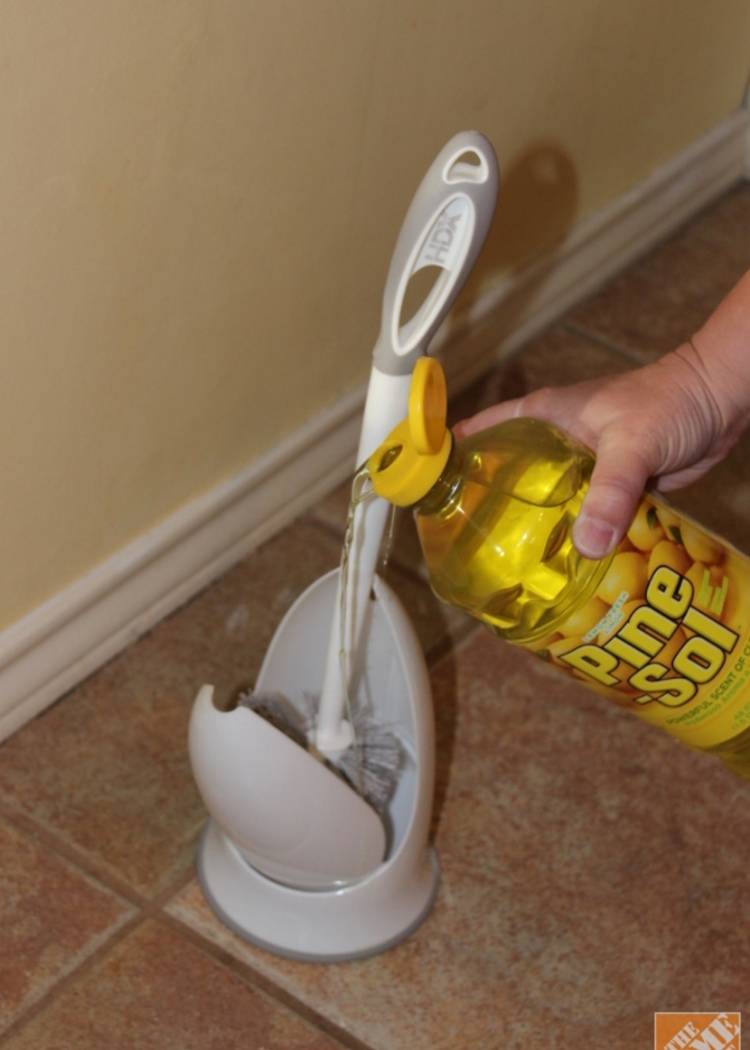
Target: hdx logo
704	1031
447	237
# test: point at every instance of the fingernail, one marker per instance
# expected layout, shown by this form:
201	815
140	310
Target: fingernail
593	537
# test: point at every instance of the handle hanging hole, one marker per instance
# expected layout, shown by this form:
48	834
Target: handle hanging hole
468	166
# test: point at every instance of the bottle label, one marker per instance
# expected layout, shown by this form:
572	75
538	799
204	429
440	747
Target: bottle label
667	633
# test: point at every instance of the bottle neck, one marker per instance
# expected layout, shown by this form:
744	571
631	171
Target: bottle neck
447	485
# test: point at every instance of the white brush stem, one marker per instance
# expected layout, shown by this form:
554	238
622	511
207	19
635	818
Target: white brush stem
386	406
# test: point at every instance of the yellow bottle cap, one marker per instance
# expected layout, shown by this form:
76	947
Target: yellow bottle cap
414	454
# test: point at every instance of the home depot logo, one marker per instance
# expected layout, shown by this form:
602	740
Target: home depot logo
697	1031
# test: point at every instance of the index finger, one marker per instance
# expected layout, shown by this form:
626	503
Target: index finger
489	417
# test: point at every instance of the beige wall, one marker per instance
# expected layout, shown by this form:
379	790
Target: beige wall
198	199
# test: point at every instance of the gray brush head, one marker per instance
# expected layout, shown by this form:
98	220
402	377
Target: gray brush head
370	766
279	712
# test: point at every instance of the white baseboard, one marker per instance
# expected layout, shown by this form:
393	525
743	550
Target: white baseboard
62	641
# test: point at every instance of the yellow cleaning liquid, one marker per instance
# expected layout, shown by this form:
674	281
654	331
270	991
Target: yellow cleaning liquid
661	626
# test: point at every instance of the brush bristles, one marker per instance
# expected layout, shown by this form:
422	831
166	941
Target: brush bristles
279	712
370	766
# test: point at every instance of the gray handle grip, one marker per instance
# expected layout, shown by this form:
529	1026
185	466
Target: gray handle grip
445	227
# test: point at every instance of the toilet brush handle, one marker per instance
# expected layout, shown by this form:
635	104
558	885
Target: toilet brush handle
444	228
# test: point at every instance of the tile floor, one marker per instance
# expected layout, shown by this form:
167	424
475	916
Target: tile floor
592	870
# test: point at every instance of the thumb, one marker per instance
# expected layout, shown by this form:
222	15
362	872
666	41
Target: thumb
616	487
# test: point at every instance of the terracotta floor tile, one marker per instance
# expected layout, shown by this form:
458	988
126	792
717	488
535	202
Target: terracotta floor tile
601	823
661	300
51	917
581	850
157	991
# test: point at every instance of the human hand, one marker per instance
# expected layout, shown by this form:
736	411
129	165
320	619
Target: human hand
667	422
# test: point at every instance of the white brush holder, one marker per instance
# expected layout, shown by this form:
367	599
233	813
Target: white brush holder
292	858
290	861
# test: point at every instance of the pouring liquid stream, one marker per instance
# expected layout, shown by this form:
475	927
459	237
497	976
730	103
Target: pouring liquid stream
362	493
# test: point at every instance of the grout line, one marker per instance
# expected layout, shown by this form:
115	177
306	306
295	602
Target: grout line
54	842
263	984
144	909
154	912
56	989
90	866
177	885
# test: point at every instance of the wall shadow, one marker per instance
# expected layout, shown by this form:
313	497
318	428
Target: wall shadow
537	204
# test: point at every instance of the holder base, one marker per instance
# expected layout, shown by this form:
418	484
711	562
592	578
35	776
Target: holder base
352	922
